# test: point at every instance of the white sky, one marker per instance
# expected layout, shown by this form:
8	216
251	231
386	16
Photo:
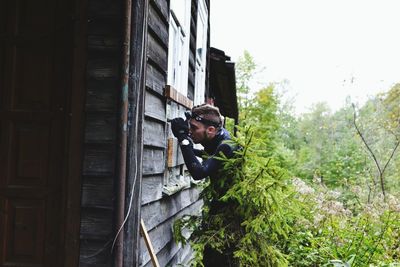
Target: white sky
317	45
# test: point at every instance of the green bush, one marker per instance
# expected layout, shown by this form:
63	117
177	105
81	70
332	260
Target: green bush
268	219
259	211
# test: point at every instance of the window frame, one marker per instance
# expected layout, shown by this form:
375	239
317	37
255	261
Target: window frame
178	46
201	53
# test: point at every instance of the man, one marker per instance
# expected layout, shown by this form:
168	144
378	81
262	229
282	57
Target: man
204	126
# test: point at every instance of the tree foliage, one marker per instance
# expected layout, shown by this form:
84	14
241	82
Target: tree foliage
305	190
260	209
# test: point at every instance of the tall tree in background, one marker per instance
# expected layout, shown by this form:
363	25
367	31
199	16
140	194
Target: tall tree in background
378	126
321	143
245	71
314	127
324	145
392	102
262	117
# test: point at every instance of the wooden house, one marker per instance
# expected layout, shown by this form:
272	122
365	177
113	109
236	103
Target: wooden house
86	91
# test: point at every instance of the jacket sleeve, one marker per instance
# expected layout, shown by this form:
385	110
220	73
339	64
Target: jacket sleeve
210	166
199	152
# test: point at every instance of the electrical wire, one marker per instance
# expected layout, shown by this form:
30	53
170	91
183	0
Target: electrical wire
136	128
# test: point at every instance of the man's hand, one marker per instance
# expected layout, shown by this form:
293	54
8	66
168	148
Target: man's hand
180	128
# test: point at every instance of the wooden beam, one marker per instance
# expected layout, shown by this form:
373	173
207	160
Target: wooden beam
149	246
174	155
172	93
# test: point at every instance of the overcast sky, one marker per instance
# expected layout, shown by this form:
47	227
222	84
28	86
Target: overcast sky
326	49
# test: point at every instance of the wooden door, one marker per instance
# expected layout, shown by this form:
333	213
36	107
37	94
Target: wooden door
35	86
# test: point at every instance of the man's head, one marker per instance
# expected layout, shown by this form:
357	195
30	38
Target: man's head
205	121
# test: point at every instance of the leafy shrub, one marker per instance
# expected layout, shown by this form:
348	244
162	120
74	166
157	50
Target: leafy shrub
258	209
268	219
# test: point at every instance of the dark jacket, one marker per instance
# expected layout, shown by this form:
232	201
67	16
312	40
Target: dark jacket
211	165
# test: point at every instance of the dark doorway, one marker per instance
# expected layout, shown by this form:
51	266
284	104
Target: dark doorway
36	81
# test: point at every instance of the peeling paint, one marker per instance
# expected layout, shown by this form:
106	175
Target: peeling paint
125	92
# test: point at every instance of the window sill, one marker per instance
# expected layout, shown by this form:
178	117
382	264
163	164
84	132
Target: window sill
176	184
173	94
180	183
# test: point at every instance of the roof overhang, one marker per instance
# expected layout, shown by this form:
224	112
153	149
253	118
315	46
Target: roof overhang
223	83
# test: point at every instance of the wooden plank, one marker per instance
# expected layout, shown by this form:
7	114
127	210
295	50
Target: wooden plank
99	160
153	161
162	235
100	128
97	192
171	151
149	246
138	62
155	106
102	94
174	110
174	255
157	212
155	80
158	26
95	253
152	187
103	75
162	7
103	43
157	53
103	68
96	223
183	256
174	154
179	98
166	254
154	133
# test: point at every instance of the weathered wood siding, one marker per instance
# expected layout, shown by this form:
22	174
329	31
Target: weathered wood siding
99	172
192	50
159	211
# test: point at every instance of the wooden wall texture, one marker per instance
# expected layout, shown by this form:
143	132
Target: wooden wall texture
101	124
159	211
192	50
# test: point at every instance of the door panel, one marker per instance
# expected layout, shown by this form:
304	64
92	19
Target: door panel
29	151
33	66
35	84
25	230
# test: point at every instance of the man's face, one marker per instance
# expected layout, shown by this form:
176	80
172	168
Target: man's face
199	132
